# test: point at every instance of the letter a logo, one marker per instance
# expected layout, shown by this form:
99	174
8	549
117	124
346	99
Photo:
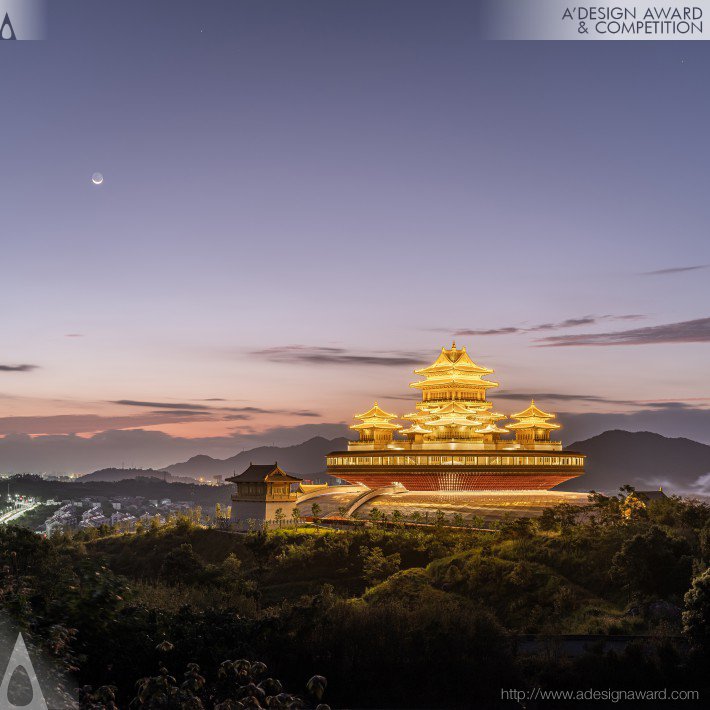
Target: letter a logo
20	657
6	30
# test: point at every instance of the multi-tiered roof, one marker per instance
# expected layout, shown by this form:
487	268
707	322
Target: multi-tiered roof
376	425
453	406
533	417
453	375
454	412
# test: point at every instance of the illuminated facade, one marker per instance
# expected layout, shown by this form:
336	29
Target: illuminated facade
454	440
261	491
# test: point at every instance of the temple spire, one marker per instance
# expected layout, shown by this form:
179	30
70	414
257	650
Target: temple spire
376	425
533	425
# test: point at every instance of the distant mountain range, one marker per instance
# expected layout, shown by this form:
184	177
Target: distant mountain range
121	474
642	459
306	460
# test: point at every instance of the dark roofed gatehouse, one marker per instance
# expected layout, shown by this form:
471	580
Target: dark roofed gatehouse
261	490
647	497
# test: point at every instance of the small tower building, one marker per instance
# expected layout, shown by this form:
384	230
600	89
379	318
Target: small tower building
261	491
533	428
375	427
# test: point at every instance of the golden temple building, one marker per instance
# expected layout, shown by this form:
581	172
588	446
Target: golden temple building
454	440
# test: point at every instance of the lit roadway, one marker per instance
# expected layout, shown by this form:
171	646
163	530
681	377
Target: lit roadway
16	513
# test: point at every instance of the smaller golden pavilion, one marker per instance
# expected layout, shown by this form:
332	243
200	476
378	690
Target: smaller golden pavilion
375	426
454	439
533	426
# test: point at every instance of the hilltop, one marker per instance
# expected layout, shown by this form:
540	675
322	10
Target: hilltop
121	474
306	460
642	459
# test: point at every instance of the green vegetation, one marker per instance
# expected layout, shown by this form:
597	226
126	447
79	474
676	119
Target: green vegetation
393	616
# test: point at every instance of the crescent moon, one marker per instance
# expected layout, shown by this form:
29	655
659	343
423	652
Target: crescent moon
97	178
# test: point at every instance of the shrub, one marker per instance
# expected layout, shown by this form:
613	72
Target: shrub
696	617
653	562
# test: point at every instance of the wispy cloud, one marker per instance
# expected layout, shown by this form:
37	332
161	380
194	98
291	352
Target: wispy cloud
559	397
560	325
74	335
179	412
672	406
159	405
411	397
218	411
314	355
145	414
674	270
690	331
70	424
18	368
695	403
264	410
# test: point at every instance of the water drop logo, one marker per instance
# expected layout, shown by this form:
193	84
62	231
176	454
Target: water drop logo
7	31
21	659
23	19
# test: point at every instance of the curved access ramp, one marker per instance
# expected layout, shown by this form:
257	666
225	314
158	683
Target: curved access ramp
330	490
370	494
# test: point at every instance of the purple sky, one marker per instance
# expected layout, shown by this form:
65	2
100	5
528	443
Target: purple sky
304	200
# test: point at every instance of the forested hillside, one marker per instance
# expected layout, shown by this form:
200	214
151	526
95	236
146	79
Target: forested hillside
371	600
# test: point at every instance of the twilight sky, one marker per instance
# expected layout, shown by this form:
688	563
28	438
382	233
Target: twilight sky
305	200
